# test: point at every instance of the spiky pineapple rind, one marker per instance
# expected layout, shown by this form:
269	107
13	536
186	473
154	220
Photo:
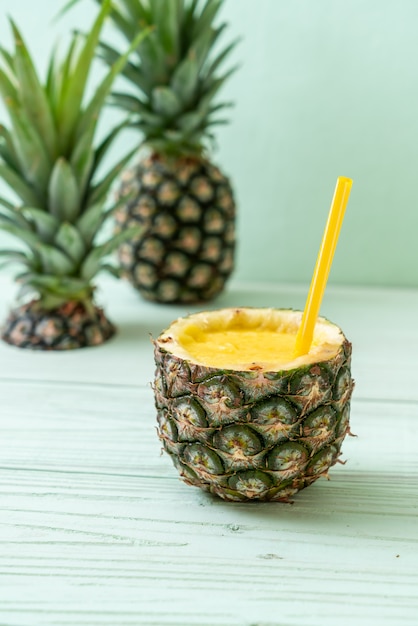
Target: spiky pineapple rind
247	435
186	208
67	327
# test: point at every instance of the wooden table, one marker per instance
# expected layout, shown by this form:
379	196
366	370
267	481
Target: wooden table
96	528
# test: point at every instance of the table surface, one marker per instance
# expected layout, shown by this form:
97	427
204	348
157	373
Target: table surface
96	528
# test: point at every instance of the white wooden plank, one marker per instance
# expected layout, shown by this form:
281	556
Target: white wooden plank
96	528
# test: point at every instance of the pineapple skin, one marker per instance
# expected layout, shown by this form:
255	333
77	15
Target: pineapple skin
67	327
186	208
252	435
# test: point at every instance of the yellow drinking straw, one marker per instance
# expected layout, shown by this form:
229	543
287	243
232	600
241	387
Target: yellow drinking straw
323	265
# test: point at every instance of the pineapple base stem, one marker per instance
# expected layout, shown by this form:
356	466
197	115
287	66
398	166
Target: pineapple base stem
67	327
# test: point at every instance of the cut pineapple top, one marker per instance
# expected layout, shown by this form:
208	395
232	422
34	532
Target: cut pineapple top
248	339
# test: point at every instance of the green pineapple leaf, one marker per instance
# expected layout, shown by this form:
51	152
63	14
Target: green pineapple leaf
58	287
51	281
32	95
8	87
23	234
8	61
51	160
70	241
54	261
54	78
44	224
133	105
93	219
92	264
7	151
104	146
89	117
7	204
113	270
166	17
132	72
67	7
165	101
15	257
174	71
84	160
19	186
63	192
204	22
89	222
73	90
220	58
29	148
191	121
137	11
9	215
99	191
185	80
128	23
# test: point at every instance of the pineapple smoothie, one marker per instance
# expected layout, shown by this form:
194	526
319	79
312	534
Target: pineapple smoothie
229	348
241	417
241	338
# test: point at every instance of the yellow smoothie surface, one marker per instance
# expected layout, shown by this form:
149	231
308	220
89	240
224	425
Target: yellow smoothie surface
221	348
248	338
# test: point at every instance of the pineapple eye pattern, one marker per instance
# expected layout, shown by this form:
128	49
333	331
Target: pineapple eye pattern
176	376
322	461
289	459
308	389
202	459
189	410
343	387
319	427
177	264
238	439
219	390
343	423
212	249
202	189
167	426
191	213
214	222
168	193
189	210
252	484
274	409
164	225
190	419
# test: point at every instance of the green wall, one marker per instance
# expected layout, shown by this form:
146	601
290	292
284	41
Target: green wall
325	88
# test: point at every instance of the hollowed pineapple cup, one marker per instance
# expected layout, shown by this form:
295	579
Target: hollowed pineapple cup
239	416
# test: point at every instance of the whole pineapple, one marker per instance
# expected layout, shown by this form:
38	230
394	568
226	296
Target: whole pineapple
243	428
184	203
49	160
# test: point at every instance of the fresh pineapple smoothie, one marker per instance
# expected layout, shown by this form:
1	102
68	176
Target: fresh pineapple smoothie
242	339
221	348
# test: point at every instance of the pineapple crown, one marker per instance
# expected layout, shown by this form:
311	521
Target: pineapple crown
50	160
173	73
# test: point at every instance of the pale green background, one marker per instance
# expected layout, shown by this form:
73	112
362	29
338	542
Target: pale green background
326	88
